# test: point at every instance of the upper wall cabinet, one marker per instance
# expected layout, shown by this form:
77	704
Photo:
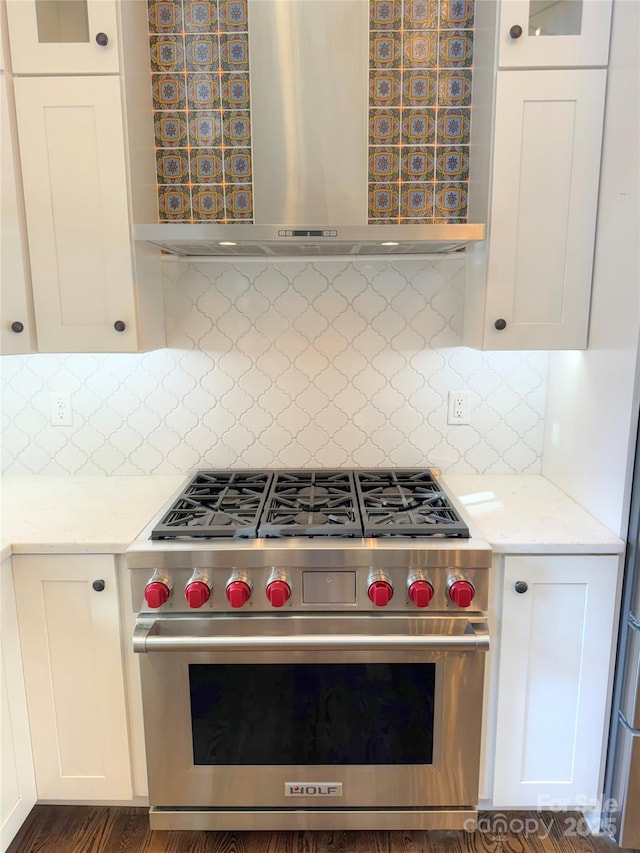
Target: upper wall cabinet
546	164
554	33
535	171
17	329
63	36
75	194
84	167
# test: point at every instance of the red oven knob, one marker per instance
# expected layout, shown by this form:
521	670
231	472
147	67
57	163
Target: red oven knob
238	593
278	593
381	593
461	593
197	593
421	593
156	593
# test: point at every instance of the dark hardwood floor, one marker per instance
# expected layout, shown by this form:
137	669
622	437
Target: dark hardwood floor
101	829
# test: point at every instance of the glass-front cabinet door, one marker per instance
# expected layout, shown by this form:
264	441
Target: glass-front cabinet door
554	33
63	36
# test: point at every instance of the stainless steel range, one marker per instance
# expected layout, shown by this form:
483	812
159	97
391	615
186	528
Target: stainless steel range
311	652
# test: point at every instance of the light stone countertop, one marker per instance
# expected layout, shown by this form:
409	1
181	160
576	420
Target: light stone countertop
70	515
100	514
527	514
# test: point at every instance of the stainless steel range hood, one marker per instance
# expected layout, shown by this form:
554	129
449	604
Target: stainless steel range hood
264	241
309	67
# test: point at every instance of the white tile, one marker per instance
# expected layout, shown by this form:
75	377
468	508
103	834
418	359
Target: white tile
350	438
389	324
275	400
294	419
330	304
311	362
350	324
287	363
368	419
330	381
331	344
312	400
369	305
331	418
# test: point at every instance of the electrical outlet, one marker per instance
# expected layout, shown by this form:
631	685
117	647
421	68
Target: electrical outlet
61	414
458	408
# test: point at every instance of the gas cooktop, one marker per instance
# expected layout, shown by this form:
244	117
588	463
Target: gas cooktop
309	503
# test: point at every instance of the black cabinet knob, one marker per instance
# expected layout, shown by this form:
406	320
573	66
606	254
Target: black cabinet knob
17	327
102	39
98	585
500	324
119	326
516	31
521	586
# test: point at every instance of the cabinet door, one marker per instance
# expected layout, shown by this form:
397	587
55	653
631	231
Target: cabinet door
15	305
17	782
560	34
63	36
70	636
75	189
556	653
546	165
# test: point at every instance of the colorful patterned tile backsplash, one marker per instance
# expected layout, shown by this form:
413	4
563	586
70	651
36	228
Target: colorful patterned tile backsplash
420	74
200	83
420	71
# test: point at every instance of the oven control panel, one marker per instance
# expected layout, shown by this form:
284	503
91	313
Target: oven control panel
285	589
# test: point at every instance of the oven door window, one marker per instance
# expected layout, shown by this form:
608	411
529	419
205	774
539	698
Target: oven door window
310	714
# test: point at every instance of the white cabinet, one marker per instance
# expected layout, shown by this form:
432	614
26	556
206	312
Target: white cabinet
17	781
534	172
73	666
87	159
536	287
75	192
16	316
562	33
63	36
556	656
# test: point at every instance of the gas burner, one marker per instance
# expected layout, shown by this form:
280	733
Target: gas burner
311	503
216	504
393	496
311	496
249	504
423	509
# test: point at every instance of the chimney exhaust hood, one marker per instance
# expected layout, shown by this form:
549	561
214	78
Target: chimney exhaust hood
309	79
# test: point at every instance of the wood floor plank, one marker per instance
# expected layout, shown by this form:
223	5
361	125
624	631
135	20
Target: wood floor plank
131	832
362	841
92	830
102	829
421	841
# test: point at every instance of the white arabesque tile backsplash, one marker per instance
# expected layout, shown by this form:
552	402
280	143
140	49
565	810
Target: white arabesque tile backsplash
286	364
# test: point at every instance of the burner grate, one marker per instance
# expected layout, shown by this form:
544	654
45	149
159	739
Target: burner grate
406	503
311	503
216	504
346	504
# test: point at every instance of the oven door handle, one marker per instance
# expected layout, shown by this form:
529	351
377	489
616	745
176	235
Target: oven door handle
474	639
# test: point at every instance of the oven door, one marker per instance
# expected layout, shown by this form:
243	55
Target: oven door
306	712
